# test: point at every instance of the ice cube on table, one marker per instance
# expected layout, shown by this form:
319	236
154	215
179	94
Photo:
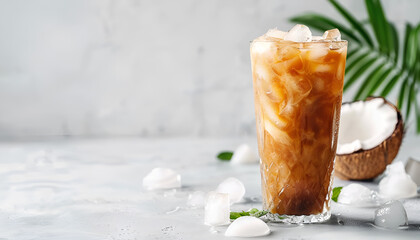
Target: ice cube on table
217	209
247	226
391	215
162	178
234	187
275	33
332	35
196	199
412	167
397	183
244	154
395	168
357	195
299	33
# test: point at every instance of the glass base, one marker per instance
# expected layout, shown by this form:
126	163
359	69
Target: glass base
295	219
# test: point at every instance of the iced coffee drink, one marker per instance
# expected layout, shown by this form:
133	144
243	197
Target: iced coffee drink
298	84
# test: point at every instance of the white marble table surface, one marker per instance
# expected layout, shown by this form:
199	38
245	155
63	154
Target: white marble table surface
91	189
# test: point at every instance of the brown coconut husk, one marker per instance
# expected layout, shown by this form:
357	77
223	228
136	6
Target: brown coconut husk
368	164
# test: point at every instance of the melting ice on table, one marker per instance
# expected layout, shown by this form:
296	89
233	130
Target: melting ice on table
391	215
234	187
247	226
162	178
217	209
196	199
358	195
244	155
397	183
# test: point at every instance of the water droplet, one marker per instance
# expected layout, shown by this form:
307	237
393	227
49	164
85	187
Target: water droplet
213	230
167	229
177	208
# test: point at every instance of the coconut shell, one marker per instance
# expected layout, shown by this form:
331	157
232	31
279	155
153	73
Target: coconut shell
368	164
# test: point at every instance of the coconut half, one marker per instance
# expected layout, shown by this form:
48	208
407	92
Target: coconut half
370	136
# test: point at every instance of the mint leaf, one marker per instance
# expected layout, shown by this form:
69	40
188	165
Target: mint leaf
336	192
259	213
235	215
253	212
225	156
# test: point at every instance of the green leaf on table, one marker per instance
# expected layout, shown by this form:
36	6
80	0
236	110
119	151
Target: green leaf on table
335	193
225	156
235	215
253	212
259	213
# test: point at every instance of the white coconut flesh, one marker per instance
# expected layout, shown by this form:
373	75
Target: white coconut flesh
365	125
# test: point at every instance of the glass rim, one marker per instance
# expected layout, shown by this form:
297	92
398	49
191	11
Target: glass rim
292	43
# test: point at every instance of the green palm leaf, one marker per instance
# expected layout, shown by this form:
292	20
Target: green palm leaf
382	63
408	30
379	24
361	68
376	72
402	93
351	63
413	91
377	82
411	50
410	98
395	45
353	22
390	85
416	106
351	53
320	22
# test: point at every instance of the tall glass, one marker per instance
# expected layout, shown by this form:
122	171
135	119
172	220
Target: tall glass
298	89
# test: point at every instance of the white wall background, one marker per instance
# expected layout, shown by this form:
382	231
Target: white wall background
141	68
